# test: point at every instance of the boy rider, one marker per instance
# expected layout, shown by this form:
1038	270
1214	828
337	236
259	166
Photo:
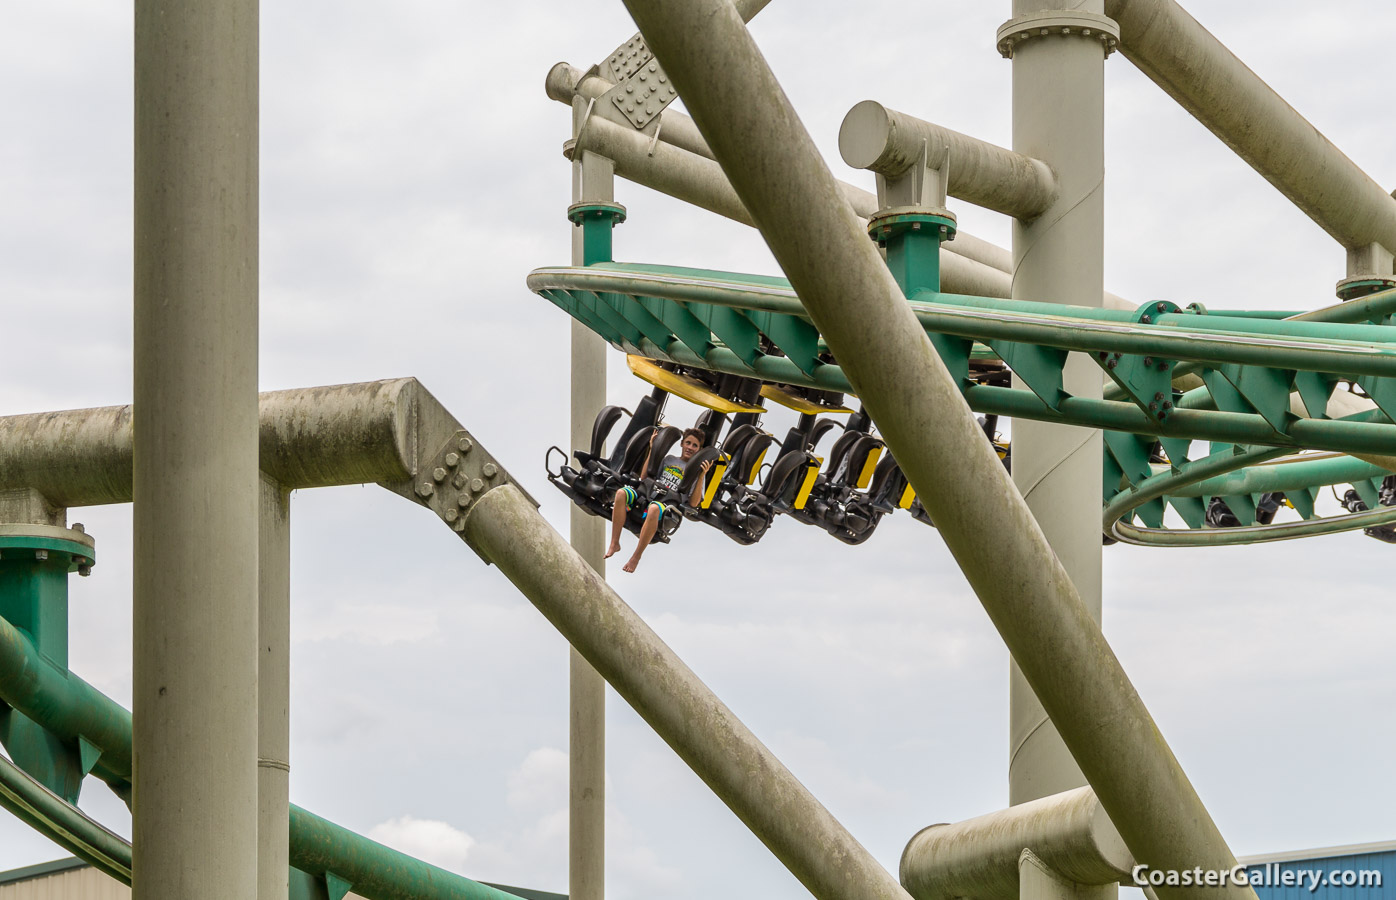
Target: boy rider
668	478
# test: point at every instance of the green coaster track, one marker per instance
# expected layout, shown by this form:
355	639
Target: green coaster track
1271	393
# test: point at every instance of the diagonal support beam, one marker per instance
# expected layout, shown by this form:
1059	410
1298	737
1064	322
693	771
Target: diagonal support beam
508	532
1209	81
776	170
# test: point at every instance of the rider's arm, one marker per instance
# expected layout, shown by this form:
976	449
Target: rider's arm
645	469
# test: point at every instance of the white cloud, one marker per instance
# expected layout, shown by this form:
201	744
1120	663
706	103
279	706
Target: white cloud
377	624
438	843
540	782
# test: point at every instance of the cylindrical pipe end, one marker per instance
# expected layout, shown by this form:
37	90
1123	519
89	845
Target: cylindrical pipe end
561	83
865	137
978	857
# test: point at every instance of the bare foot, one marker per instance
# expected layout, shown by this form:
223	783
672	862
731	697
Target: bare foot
615	548
630	566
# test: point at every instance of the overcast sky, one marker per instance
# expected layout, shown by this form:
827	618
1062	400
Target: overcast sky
411	177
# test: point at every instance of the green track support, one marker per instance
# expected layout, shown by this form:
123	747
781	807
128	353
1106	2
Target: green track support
35	562
597	221
327	855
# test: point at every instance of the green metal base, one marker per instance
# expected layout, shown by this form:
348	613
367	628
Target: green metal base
35	561
1353	288
912	240
596	219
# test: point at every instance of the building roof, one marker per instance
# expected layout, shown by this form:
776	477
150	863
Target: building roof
1320	853
41	870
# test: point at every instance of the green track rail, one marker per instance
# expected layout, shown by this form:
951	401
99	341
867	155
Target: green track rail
1267	380
327	859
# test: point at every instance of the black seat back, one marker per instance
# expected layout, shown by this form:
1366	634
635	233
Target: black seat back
601	428
633	453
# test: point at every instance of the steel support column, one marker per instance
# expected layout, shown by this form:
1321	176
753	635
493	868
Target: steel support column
593	178
273	690
1059	257
778	173
195	471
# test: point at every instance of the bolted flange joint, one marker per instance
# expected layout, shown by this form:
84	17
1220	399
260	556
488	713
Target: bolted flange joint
1058	22
1353	288
453	481
889	223
595	210
72	547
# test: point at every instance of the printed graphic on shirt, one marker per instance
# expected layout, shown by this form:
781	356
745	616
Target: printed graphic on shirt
670	473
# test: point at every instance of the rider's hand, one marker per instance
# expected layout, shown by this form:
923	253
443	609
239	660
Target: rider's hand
707	464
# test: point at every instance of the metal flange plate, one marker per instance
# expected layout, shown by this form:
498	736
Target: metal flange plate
457	477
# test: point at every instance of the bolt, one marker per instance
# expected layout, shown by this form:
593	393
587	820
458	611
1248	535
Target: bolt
1112	364
1103	354
463	501
1168	404
450	513
78	527
464	445
1148	362
85	570
944	229
459	481
915	226
459	524
1147	320
1158	396
425	489
1161	415
477	485
41	554
452	460
490	470
1161	306
1153	406
438	474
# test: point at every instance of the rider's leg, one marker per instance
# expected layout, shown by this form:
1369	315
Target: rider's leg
618	513
652	517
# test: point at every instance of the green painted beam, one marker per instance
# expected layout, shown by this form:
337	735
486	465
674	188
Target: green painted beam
64	703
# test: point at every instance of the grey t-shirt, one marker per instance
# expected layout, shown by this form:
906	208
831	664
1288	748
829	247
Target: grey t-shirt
670	473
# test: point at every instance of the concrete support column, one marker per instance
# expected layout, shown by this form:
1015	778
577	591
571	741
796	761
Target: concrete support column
592	179
195	467
1058	257
273	691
